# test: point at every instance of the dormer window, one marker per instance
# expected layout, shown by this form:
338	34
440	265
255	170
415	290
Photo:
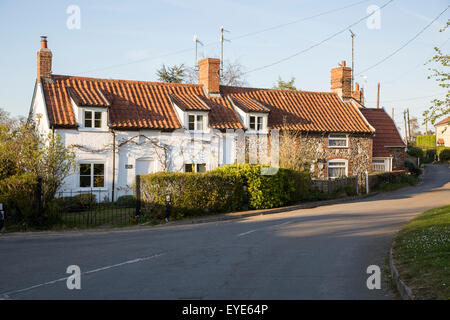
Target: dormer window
93	119
195	122
256	123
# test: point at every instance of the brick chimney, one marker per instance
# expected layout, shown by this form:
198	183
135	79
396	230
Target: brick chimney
208	74
341	81
44	60
358	94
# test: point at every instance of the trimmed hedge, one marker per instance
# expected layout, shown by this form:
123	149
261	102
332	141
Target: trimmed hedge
444	155
191	193
221	190
426	140
270	191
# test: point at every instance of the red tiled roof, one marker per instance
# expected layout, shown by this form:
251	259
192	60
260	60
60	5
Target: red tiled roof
247	104
444	121
189	102
148	105
305	111
386	133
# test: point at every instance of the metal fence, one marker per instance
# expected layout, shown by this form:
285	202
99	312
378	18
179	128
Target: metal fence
90	208
333	185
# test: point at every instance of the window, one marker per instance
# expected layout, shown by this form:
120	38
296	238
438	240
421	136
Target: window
88	119
191	167
337	168
337	141
256	123
195	122
92	175
92	123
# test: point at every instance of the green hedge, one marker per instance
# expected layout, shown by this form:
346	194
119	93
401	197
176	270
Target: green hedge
270	191
191	193
426	140
221	190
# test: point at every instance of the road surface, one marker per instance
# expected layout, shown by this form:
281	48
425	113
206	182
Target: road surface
319	253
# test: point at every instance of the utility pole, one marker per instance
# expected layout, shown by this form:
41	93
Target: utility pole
392	113
409	125
406	130
353	56
378	95
222	39
426	125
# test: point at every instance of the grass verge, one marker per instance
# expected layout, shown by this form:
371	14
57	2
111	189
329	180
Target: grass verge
422	254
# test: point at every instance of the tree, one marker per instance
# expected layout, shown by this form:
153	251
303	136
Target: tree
440	107
25	155
289	85
233	74
414	125
174	74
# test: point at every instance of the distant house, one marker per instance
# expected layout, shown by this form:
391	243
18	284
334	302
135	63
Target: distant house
443	132
122	128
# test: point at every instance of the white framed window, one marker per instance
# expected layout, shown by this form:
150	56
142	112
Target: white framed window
382	164
195	122
92	175
337	140
92	119
337	168
195	167
255	123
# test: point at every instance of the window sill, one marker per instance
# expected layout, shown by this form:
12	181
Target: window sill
93	130
333	147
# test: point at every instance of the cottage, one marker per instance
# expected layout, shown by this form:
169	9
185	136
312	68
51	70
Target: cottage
443	132
122	128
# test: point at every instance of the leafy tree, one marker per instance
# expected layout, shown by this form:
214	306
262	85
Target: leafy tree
287	85
24	151
440	107
174	74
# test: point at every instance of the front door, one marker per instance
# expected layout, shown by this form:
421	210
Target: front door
144	166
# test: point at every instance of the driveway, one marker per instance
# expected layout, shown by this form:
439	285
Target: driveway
319	253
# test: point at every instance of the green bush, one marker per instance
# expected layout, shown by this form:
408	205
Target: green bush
126	201
426	140
191	193
270	191
430	155
415	152
76	203
221	190
17	193
444	155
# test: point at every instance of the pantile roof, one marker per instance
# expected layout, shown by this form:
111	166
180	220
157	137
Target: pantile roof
386	134
149	105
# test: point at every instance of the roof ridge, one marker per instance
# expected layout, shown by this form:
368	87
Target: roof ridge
124	80
281	90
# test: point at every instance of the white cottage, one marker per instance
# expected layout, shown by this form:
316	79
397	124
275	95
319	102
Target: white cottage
122	128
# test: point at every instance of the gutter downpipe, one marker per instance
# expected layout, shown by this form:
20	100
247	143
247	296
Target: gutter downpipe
113	165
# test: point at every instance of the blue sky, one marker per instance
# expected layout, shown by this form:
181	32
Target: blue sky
132	39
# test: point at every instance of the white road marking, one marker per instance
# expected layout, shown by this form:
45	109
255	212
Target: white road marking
251	231
7	294
245	233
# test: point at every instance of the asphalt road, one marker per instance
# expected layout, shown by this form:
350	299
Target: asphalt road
319	253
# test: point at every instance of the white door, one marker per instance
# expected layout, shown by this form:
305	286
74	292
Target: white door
144	166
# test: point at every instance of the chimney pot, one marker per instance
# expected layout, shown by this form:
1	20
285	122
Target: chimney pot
44	42
44	60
